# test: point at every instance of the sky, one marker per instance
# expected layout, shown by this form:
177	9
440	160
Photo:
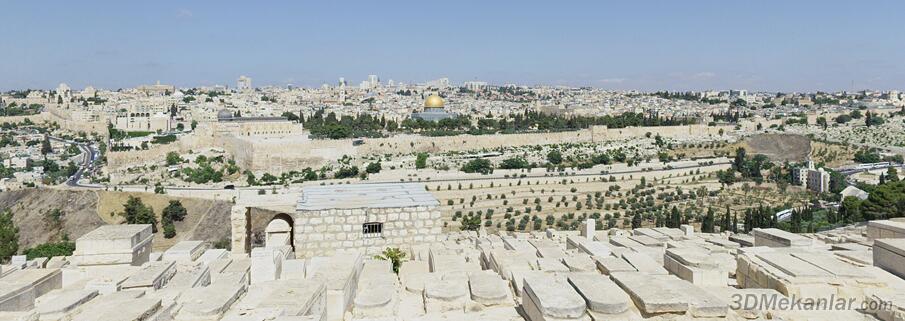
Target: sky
762	45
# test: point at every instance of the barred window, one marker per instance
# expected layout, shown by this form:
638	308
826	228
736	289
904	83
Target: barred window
372	229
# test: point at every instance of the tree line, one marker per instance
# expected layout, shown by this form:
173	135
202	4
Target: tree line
327	125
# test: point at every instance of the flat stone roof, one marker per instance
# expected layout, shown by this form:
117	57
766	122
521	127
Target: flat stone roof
383	195
115	232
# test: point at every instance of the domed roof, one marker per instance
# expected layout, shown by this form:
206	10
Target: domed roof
224	114
433	101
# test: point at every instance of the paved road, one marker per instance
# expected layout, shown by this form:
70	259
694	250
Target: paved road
89	156
848	172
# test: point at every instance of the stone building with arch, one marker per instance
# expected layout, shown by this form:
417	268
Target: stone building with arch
364	217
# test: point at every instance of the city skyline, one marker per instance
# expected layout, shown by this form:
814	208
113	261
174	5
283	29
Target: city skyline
765	46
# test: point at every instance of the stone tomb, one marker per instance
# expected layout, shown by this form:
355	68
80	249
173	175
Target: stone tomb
644	263
445	294
744	240
602	296
805	274
59	304
152	276
611	264
128	244
341	273
659	294
773	237
209	302
270	299
885	229
185	251
19	289
128	305
547	297
889	254
695	265
488	289
267	262
376	297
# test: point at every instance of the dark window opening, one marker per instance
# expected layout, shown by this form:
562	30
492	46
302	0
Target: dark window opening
374	229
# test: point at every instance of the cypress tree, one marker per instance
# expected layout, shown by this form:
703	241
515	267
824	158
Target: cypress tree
735	223
707	223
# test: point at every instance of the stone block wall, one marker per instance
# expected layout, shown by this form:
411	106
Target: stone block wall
885	229
323	232
602	133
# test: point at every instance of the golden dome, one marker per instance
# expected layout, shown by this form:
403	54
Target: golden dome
433	101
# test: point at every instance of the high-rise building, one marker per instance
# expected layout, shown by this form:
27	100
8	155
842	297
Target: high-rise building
373	81
738	93
441	83
475	85
244	83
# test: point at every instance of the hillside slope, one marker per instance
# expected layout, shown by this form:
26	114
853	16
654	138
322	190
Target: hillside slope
780	147
31	213
83	211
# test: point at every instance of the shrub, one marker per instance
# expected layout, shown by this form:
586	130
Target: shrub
394	255
136	212
64	248
169	229
479	165
9	236
373	168
175	211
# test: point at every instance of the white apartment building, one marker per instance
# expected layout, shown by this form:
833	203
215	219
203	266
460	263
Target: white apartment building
818	180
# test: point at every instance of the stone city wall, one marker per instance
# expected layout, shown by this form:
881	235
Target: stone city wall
750	124
157	153
279	154
64	119
322	232
18	119
154	154
276	155
283	154
415	143
55	116
603	134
